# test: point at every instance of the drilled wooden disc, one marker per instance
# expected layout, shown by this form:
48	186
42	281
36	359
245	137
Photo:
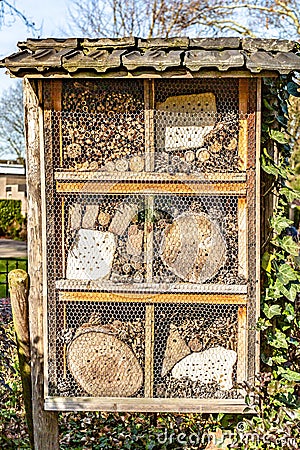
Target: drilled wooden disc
103	365
193	247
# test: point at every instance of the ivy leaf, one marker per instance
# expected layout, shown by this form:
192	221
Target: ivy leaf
269	168
292	88
266	262
278	339
289	312
278	136
290	194
279	359
271	311
294	289
280	223
286	274
289	374
267	105
288	245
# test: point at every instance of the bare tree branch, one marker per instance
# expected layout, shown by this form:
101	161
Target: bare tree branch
163	18
8	10
12	122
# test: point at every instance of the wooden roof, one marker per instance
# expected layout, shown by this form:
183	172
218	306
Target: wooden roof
134	56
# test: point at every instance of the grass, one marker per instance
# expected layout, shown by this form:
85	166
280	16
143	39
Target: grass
6	265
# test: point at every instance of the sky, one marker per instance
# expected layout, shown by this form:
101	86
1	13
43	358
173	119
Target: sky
51	15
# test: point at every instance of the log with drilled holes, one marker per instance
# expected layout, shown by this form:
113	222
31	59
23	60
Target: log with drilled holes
103	365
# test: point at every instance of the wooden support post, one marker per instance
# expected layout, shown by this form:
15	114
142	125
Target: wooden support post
18	286
45	423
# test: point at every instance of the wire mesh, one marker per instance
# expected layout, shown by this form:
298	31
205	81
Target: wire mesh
151	235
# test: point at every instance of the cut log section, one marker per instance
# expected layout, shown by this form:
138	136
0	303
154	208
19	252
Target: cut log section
193	247
176	349
103	365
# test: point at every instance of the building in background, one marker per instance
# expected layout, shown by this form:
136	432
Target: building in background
13	183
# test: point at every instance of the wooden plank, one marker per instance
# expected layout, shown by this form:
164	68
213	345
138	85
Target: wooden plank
180	405
152	288
149	125
243	122
258	217
151	188
241	371
178	73
45	424
225	299
149	351
242	238
68	175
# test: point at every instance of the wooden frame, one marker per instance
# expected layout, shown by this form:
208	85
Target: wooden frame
150	183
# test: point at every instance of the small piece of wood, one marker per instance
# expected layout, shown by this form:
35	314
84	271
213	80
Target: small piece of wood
176	349
90	216
18	287
122	218
75	217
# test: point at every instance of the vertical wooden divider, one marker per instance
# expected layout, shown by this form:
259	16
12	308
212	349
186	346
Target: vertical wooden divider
45	423
148	234
65	345
242	345
149	348
149	125
243	122
242	238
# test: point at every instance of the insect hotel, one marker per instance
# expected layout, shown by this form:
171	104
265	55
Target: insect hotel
144	217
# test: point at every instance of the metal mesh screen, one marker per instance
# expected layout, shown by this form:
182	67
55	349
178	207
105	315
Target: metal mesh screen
151	219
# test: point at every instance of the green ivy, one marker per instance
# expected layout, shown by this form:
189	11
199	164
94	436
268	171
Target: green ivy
275	394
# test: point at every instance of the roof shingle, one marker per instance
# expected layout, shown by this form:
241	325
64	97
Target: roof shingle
132	55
